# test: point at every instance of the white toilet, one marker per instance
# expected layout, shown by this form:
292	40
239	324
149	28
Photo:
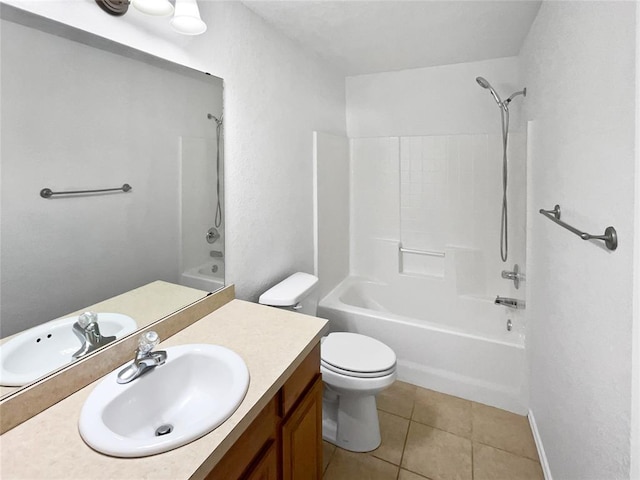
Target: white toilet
354	369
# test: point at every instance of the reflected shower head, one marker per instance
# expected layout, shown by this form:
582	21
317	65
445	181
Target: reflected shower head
485	84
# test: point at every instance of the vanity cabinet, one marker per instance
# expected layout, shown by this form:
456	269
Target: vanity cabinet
285	439
302	438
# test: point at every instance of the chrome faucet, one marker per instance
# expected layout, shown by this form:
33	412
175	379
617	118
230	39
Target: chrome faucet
514	275
88	330
145	358
509	302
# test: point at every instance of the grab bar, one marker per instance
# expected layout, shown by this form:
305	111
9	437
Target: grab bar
610	236
48	193
429	253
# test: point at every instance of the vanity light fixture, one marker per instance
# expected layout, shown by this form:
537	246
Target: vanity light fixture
186	19
186	14
159	8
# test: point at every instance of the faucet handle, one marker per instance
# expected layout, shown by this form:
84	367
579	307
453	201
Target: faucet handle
87	318
148	341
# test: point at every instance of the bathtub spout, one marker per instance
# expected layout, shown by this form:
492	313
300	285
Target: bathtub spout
509	302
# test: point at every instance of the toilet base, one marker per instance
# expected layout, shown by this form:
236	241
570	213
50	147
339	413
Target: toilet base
350	422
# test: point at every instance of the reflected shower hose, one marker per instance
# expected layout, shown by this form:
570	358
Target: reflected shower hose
218	219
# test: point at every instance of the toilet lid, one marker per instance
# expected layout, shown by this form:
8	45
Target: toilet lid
357	353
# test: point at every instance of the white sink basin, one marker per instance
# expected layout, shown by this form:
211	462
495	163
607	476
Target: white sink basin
47	347
195	391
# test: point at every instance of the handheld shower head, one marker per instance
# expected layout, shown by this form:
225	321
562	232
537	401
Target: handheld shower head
485	84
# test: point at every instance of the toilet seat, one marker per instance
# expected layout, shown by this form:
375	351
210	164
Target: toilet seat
356	355
350	373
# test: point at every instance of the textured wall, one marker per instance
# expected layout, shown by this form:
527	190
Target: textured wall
276	95
578	64
442	100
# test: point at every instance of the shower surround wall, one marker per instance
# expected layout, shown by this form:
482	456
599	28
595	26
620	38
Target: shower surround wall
199	268
431	176
426	174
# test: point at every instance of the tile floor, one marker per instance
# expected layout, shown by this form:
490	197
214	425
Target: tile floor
430	435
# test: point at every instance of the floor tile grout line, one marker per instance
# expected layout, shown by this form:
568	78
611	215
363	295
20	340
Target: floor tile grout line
473	467
406	439
505	451
475	441
473	470
441	429
471	439
378	458
417	473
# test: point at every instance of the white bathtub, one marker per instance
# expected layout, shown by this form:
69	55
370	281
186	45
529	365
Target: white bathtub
202	277
459	346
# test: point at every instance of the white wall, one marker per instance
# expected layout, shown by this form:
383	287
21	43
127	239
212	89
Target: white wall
331	204
635	395
442	100
578	63
276	95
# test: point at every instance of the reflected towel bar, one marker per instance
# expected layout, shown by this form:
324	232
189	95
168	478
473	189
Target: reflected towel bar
48	193
421	252
610	237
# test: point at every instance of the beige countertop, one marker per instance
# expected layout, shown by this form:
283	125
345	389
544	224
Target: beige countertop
272	342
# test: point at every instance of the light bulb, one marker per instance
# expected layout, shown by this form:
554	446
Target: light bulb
154	7
186	19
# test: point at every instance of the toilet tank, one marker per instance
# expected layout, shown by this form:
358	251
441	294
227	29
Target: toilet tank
298	293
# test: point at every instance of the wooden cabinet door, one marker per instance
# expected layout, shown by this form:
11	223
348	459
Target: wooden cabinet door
302	438
267	467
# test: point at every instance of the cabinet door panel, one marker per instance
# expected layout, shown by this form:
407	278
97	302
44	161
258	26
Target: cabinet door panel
248	446
300	380
302	438
267	467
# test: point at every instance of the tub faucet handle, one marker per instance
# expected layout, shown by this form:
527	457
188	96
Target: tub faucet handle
514	275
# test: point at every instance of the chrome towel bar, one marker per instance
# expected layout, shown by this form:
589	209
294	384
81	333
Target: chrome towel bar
429	253
610	236
48	193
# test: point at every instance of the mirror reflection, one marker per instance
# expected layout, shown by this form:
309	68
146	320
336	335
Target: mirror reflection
82	116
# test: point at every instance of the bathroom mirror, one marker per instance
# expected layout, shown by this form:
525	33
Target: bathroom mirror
82	113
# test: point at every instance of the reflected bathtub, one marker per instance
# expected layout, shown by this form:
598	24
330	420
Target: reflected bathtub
203	277
460	347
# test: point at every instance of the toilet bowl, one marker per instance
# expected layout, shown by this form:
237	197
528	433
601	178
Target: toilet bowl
354	369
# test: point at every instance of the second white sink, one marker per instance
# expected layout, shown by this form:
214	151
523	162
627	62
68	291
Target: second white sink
47	347
195	391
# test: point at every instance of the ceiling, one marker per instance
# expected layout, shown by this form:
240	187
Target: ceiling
363	36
